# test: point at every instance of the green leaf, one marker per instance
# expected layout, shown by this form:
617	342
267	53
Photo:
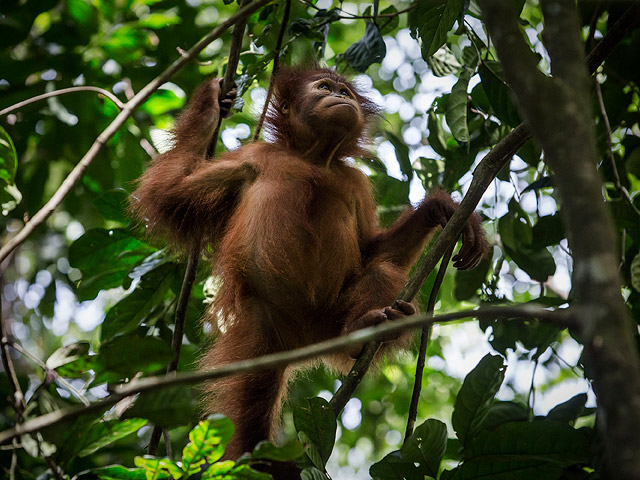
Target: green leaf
207	443
526	451
443	63
635	272
229	471
112	205
456	113
531	334
437	137
161	102
105	257
388	24
431	20
468	282
126	315
402	154
366	51
159	20
516	234
168	408
543	182
570	410
266	450
476	396
101	434
8	158
312	473
498	92
500	413
548	230
155	468
318	422
125	356
114	472
419	457
67	354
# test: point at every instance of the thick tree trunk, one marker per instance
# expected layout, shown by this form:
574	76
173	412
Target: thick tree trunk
558	109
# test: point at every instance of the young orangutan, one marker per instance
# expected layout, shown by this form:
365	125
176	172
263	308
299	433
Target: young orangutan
298	247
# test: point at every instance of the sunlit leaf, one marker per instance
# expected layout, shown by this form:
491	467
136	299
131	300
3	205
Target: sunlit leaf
431	20
418	458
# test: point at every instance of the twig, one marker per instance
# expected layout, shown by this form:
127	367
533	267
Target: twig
113	127
62	91
167	443
178	332
484	174
561	317
424	343
274	71
616	176
56	375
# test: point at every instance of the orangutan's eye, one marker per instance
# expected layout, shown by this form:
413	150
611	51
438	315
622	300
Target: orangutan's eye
344	92
324	86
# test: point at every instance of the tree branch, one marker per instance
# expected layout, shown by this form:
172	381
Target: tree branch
559	111
424	343
562	317
55	93
113	127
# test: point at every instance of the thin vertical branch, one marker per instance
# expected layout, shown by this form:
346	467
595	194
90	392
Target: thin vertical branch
424	343
274	71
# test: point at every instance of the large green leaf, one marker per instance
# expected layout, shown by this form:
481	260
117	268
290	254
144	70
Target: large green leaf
468	282
207	443
167	408
431	20
316	419
418	458
524	450
115	472
476	396
99	435
517	238
456	114
499	93
105	257
112	205
125	356
133	309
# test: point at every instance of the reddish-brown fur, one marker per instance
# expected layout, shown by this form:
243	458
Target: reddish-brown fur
298	247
